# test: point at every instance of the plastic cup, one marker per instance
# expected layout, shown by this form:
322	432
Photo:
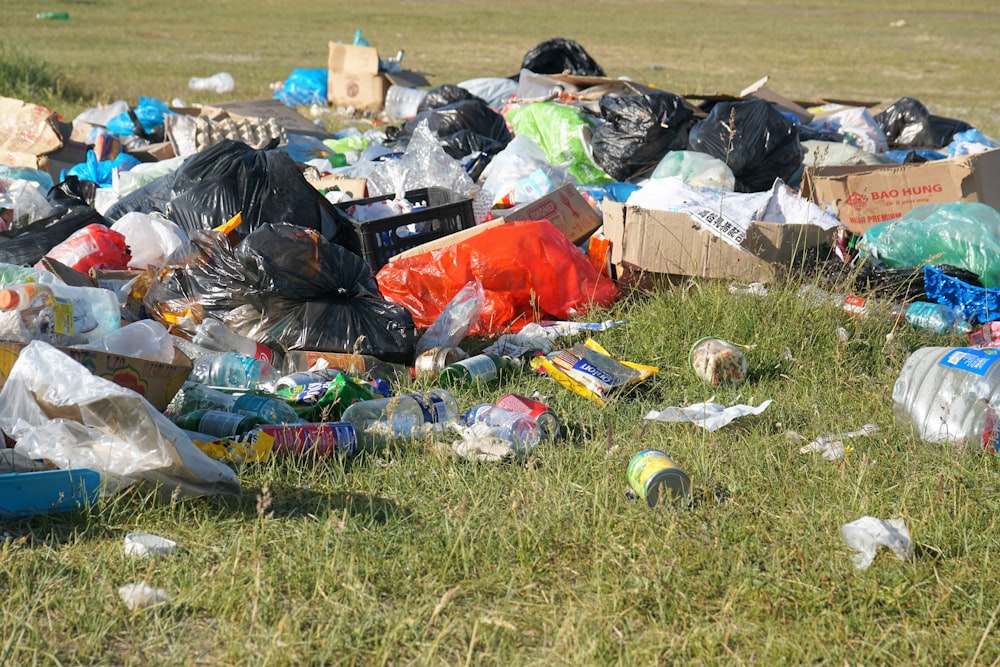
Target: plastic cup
718	362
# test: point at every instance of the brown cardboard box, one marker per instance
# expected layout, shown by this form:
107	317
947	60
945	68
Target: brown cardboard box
354	187
565	208
674	244
866	195
157	381
354	78
446	241
27	133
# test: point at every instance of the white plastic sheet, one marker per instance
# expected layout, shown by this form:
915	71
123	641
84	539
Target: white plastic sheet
710	416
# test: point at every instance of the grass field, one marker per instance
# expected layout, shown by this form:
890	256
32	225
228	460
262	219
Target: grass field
406	556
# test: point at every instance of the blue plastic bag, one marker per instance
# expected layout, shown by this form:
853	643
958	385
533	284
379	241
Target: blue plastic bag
149	113
303	87
100	172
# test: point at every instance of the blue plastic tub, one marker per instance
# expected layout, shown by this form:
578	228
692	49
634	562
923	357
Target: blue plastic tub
29	493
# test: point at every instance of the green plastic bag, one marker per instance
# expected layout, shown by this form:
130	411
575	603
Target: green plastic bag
564	134
962	234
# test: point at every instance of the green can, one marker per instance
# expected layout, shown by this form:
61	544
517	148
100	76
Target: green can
652	476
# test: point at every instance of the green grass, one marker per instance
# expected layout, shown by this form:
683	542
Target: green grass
406	556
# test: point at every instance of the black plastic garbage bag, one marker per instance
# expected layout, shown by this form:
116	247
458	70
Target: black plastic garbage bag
229	178
73	200
443	95
908	124
757	142
294	289
454	124
638	131
558	55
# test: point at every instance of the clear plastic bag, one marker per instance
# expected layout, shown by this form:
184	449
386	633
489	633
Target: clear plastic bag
425	164
457	319
867	534
58	410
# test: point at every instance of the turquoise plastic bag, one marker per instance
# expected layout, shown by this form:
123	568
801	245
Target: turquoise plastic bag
564	134
962	234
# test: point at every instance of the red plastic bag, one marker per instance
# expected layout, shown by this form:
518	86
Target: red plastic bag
529	270
96	246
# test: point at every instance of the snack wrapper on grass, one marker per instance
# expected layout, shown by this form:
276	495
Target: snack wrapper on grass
589	370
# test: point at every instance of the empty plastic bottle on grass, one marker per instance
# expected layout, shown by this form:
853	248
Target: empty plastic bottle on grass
234	371
936	317
950	395
514	427
401	415
266	408
53	16
196	396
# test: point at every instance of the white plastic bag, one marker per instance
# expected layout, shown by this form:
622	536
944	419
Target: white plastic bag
867	534
58	410
149	237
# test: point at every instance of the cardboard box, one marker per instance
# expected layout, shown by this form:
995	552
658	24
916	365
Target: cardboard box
355	188
157	381
27	133
354	78
565	208
866	195
445	241
674	244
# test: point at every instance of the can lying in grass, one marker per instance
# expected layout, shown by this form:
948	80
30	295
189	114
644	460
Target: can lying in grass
653	475
717	362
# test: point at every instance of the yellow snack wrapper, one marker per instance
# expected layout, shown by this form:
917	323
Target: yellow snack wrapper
255	447
589	370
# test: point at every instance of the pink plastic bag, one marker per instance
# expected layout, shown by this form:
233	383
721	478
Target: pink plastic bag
95	246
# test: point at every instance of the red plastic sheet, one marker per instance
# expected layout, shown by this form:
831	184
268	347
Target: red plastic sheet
529	271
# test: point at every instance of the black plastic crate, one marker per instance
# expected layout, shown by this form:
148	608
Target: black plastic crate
378	240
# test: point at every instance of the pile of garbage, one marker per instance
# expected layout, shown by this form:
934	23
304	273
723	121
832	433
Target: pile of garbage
272	287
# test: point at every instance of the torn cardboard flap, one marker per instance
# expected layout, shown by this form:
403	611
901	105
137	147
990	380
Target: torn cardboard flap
565	208
27	133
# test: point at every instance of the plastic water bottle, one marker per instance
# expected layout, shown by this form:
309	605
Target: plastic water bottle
514	427
62	314
196	396
402	101
216	423
936	317
947	394
145	339
401	415
231	370
215	335
268	409
217	83
53	16
541	413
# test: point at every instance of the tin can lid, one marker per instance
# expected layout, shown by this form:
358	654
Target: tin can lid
671	483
